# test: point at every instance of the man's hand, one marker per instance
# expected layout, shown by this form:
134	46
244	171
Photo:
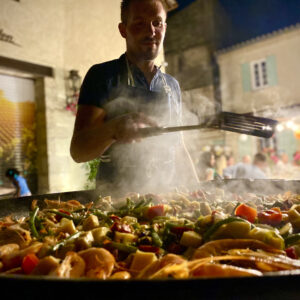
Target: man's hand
93	135
126	127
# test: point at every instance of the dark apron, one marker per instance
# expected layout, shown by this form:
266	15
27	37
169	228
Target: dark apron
146	166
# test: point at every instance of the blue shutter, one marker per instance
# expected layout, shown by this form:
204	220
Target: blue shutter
246	77
272	70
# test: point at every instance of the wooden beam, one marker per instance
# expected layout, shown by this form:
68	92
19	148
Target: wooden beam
26	67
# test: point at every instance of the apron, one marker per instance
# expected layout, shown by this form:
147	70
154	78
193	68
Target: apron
146	166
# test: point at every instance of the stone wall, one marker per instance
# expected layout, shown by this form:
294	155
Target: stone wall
192	37
62	35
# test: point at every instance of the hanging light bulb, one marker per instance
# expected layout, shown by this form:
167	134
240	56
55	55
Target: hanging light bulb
290	124
279	127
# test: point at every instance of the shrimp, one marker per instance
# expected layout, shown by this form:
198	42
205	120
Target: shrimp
99	262
15	234
68	205
178	271
219	247
73	266
46	265
14	258
219	270
167	260
121	275
7	249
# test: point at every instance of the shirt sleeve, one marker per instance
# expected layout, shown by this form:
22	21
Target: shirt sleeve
229	172
94	88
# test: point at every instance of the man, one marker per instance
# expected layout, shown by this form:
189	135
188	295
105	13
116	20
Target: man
119	97
256	170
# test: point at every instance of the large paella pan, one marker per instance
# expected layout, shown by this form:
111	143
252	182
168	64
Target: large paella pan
219	240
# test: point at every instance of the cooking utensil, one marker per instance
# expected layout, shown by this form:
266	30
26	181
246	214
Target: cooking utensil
241	123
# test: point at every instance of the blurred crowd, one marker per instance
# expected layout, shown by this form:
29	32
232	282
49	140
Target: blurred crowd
216	163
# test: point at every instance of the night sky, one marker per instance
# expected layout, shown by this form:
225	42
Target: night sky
252	18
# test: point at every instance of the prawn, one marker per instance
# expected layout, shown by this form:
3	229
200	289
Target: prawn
99	262
73	266
121	275
219	270
166	261
7	249
219	247
14	259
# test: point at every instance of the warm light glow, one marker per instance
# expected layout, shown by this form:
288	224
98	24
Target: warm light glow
290	124
279	127
243	137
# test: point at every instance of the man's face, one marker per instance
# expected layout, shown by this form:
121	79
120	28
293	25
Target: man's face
145	29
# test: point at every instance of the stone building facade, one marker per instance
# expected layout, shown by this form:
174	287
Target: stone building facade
57	36
193	36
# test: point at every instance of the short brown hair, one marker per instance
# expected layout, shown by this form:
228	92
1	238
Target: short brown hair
259	157
125	4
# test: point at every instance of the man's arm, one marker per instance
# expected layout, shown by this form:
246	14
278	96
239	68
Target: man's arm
93	135
90	136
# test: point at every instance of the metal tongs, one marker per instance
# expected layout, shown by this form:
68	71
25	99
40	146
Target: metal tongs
228	121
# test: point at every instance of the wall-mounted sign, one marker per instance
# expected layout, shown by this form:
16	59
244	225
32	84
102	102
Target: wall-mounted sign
8	38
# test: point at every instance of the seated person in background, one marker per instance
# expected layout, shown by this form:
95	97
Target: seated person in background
256	170
206	167
246	159
230	160
19	182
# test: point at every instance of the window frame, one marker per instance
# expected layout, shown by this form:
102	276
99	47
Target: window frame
263	80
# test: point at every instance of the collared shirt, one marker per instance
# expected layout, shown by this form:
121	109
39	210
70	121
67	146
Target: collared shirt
244	171
102	80
133	166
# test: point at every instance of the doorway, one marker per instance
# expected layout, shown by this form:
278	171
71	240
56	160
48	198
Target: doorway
18	128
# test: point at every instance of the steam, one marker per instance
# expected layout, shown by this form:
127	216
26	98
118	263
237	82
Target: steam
152	165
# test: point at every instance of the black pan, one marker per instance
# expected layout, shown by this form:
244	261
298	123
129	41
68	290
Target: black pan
276	285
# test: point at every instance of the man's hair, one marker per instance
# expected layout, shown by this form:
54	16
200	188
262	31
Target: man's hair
259	157
125	5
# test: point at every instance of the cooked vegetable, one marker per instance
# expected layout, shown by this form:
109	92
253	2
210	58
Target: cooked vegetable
272	216
65	241
208	234
32	223
247	212
178	235
30	261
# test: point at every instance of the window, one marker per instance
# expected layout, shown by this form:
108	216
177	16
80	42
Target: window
259	74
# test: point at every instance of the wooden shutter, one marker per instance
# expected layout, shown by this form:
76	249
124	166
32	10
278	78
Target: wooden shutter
272	70
246	77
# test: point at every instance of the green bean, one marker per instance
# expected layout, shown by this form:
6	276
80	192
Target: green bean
123	247
102	215
292	239
32	223
59	213
156	239
65	241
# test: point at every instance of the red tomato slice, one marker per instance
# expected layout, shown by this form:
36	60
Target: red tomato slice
29	262
148	248
272	216
247	212
155	211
